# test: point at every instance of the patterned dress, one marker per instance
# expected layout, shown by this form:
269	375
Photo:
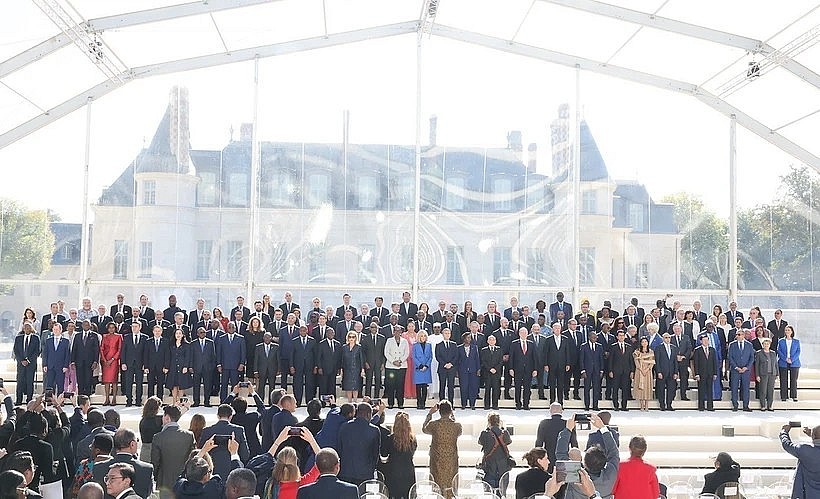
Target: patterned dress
443	450
643	385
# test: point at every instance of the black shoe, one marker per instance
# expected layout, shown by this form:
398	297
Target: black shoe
684	398
472	408
128	404
747	409
734	409
670	409
195	405
711	410
586	408
495	408
595	409
526	408
625	409
207	405
701	410
517	407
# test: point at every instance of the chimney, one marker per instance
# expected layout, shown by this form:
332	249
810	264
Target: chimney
433	130
514	141
246	132
532	156
180	137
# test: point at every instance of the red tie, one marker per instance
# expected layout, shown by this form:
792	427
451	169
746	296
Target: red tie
524	347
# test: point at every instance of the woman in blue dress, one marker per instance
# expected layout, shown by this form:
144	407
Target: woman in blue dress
352	366
422	374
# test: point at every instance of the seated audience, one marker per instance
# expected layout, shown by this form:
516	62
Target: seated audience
726	470
534	480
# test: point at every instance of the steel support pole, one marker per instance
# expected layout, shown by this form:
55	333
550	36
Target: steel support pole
85	243
732	267
576	192
254	219
417	204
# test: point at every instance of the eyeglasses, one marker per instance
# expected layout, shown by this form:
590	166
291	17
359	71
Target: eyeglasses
108	479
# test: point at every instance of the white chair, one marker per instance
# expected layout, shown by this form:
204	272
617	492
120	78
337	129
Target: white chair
679	490
373	495
504	485
423	488
472	489
373	487
707	496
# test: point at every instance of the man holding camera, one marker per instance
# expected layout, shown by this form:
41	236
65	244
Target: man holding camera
600	463
807	476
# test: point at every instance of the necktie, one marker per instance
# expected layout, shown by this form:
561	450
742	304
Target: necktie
267	350
668	351
230	338
623	349
304	342
592	345
524	347
706	352
741	347
157	344
331	347
202	344
136	339
56	343
25	344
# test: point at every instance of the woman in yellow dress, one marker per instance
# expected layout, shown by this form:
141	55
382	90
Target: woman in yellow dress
644	383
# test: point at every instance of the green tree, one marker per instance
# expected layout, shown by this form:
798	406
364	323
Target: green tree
705	243
26	240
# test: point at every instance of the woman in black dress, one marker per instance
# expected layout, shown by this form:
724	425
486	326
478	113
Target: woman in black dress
150	425
400	446
352	366
253	336
535	479
179	375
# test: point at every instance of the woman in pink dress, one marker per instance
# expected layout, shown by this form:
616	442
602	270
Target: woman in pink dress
110	346
409	385
70	384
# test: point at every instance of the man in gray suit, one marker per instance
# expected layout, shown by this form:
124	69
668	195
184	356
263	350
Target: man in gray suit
266	364
96	421
125	444
170	448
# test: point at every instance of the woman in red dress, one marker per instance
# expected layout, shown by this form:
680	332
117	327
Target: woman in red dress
409	384
223	321
110	346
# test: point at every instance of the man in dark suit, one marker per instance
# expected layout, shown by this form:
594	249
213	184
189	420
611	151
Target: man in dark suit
168	313
239	325
26	350
557	363
119	481
700	315
548	429
379	310
340	312
469	367
56	359
439	314
125	445
249	421
447	356
132	356
777	326
161	322
102	318
287	307
197	315
121	308
492	365
266	363
666	372
591	358
540	358
328	363
503	337
327	461
373	349
578	337
289	331
621	371
559	304
359	443
684	347
157	361
203	350
219	454
741	358
277	322
240	306
303	366
522	368
733	313
346	324
451	324
407	309
706	372
231	356
508	312
54	316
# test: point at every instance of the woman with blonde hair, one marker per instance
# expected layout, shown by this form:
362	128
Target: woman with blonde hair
400	446
286	478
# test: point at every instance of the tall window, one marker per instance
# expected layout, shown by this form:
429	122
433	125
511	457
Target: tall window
405	190
537	265
35	290
146	258
234	260
454	193
367	263
238	189
636	217
369	194
454	259
149	192
62	290
589	203
501	263
406	264
68	251
281	189
642	275
316	263
318	190
120	259
587	270
204	251
279	262
206	191
502	194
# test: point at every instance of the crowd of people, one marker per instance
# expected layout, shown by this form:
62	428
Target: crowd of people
405	351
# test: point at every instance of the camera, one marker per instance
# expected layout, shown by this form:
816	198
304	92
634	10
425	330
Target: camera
244	384
68	395
295	431
49	396
583	420
222	440
568	471
183	400
795	424
327	398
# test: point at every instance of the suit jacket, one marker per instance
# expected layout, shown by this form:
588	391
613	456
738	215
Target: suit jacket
144	473
446	354
684	349
359	443
342	328
156	359
705	367
554	310
220	455
731	316
522	363
666	365
203	359
557	357
287	308
31	352
328	486
373	351
329	361
169	313
503	337
230	354
540	351
591	360
736	358
59	358
169	453
194	318
637	479
43	454
408	310
161	323
249	421
340	311
508	312
455	330
304	356
85	352
438	316
101	321
701	317
620	363
266	365
783	353
286	335
547	434
492	359
127	313
133	354
468	365
778	331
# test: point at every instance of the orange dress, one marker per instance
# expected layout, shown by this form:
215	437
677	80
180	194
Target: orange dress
110	346
409	386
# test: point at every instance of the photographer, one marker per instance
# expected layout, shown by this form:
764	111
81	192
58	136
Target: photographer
601	464
807	475
495	460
